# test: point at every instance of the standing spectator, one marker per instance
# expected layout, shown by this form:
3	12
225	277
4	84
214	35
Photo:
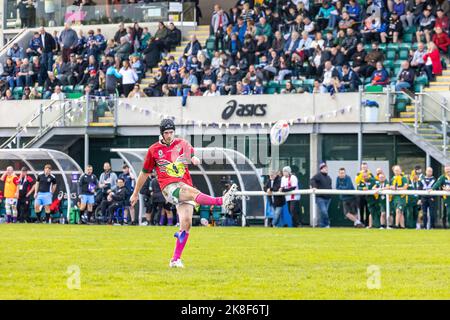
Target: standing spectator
162	34
322	181
289	182
108	179
121	32
26	189
43	192
129	77
382	185
69	41
24	76
152	53
87	186
276	202
146	193
399	182
47	49
219	24
10	193
367	182
349	201
129	182
433	65
428	202
443	183
405	77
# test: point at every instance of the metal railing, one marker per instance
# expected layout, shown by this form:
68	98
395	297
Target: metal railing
313	193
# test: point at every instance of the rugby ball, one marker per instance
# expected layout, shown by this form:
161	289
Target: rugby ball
279	132
204	222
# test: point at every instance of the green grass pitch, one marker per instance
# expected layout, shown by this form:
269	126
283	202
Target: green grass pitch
222	263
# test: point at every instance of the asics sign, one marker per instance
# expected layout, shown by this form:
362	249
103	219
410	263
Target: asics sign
243	110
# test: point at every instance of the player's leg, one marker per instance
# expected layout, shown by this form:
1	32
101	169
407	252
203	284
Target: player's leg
14	210
83	204
37	208
185	212
188	193
8	210
90	209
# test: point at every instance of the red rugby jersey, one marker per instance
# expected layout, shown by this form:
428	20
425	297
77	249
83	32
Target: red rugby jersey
170	162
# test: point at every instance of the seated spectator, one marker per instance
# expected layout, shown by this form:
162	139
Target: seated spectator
263	28
292	43
174	36
187	80
208	78
380	76
374	56
433	65
193	47
358	58
258	88
309	25
57	94
230	79
26	93
211	91
137	92
8	95
394	30
327	16
15	52
289	88
114	200
346	22
353	10
34	45
350	81
417	61
284	69
304	46
124	49
348	46
373	27
137	66
24	76
173	82
441	40
442	20
34	94
50	85
405	77
9	73
93	81
426	25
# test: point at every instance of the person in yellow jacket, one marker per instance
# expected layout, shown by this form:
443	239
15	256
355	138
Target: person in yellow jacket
362	200
399	182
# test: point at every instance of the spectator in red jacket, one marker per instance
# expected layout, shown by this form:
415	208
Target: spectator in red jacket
441	39
432	59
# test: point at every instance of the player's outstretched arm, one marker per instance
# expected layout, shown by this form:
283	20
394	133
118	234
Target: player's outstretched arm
139	183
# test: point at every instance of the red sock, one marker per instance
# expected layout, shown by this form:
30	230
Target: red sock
204	199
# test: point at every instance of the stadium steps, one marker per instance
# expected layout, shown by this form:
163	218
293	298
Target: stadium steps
442	83
101	124
202	34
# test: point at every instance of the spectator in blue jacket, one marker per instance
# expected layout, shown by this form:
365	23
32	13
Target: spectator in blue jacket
349	201
380	76
193	47
240	29
34	45
15	52
353	10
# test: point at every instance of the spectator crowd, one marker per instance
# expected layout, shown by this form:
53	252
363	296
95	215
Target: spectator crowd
370	211
318	46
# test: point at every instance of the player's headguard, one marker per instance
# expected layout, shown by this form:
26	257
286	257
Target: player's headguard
166	124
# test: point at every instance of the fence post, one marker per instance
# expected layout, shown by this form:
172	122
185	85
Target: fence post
87	110
116	111
416	114
444	126
41	111
388	210
314	208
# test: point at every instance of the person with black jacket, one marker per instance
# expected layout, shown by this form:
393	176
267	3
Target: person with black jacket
47	50
26	189
428	203
405	77
174	36
114	200
322	181
275	202
146	192
87	186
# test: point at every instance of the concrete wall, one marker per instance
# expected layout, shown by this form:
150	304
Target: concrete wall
148	111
